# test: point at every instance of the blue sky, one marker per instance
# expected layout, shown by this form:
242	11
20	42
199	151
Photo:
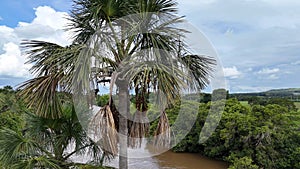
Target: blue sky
258	41
14	11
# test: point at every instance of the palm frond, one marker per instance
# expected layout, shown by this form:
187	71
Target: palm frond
48	58
139	129
44	56
37	162
163	132
153	6
89	16
39	129
163	77
15	146
102	127
41	94
200	67
150	31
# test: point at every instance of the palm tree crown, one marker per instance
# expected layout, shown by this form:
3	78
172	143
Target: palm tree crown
131	42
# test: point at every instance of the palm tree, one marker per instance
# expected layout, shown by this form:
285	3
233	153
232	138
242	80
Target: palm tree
48	143
144	53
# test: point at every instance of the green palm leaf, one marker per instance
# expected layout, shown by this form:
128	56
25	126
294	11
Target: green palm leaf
15	146
200	67
36	162
41	94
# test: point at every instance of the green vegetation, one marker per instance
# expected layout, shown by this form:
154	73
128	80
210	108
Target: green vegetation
297	104
12	109
279	93
249	136
282	92
31	141
244	103
102	100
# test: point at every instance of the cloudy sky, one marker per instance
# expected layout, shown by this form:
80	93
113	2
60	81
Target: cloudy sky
258	41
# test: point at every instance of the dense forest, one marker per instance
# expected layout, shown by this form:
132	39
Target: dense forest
258	133
255	134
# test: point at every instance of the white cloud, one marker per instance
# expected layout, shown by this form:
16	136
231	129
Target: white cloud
251	34
232	72
12	62
7	35
250	69
269	74
268	71
269	35
296	63
48	25
56	20
273	77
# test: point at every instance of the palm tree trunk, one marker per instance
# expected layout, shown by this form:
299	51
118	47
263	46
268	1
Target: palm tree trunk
123	126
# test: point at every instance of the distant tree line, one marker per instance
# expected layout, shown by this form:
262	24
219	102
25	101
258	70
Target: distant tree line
291	94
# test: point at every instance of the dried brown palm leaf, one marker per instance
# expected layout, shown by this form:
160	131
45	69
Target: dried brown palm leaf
139	129
104	131
111	104
115	113
163	132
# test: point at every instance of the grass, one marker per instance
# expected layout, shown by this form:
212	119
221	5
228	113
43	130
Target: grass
245	103
297	104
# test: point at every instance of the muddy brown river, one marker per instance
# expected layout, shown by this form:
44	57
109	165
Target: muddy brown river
172	160
147	158
169	160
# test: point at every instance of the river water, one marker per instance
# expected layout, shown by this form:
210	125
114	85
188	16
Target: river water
171	160
188	161
168	160
148	157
